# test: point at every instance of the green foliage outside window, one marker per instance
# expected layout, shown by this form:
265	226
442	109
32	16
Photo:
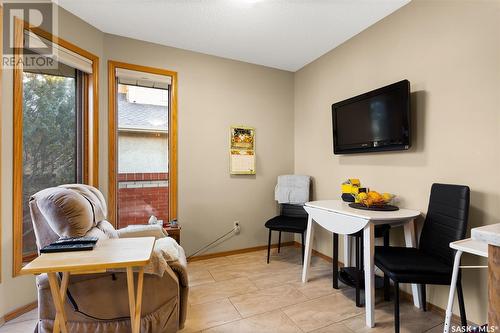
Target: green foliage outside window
49	139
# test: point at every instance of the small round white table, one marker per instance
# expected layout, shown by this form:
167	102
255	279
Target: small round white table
337	217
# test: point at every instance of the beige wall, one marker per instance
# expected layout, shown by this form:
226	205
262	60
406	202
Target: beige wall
450	52
215	93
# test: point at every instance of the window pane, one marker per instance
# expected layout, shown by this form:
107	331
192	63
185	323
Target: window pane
142	154
49	139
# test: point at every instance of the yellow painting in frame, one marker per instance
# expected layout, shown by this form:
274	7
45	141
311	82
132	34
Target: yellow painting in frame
242	150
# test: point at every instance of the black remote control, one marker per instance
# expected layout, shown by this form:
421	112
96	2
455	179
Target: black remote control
76	240
67	248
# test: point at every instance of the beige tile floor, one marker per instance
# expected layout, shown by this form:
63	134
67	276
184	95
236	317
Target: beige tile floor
22	324
241	293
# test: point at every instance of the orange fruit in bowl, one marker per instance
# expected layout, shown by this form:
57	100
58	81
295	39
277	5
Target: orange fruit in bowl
375	196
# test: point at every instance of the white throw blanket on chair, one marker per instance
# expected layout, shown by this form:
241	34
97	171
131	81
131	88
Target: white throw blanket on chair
292	189
165	250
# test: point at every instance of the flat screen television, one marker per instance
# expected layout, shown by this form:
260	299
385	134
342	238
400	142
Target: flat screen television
378	120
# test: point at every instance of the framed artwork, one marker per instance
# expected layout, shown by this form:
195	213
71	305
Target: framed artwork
242	150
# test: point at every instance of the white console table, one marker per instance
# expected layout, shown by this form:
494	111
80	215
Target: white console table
337	217
481	237
468	245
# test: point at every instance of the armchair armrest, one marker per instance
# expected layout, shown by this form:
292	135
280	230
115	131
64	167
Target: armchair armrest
142	230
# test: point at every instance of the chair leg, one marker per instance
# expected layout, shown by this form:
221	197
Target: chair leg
335	261
396	307
279	242
269	246
386	239
358	272
424	297
387	288
387	282
461	304
303	248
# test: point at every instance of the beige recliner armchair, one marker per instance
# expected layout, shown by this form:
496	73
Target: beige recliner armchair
99	302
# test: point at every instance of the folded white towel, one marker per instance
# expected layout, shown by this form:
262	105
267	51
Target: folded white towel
293	189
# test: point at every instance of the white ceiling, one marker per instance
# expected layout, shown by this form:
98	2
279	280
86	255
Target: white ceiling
285	34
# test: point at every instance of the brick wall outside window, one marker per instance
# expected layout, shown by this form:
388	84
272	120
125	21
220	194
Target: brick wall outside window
142	176
141	195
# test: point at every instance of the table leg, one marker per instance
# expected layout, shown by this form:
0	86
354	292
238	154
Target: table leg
369	252
451	297
411	241
347	251
308	252
135	301
131	296
58	303
63	288
138	304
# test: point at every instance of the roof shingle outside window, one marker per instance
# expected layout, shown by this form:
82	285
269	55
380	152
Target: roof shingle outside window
141	117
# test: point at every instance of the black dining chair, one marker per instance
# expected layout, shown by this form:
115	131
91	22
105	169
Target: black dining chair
292	218
432	262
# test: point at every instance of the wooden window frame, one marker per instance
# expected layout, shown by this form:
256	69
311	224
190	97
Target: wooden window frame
1	142
90	123
113	134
